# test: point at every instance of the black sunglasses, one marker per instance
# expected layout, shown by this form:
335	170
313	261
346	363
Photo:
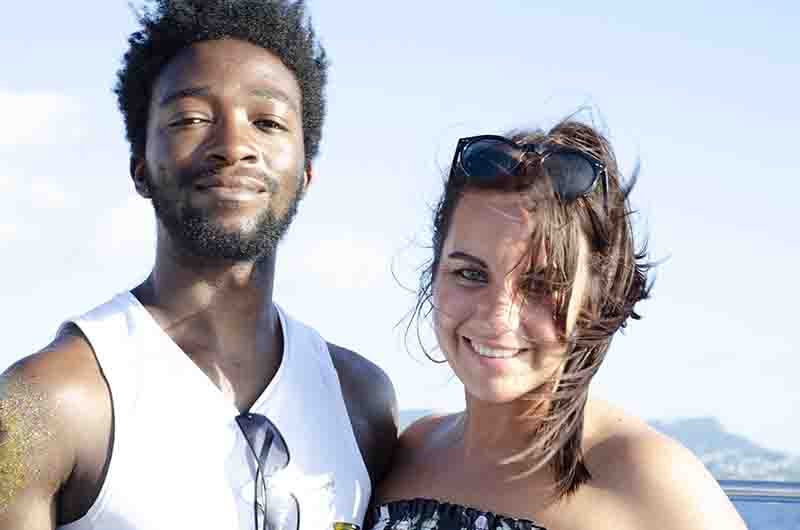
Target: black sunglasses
273	507
482	160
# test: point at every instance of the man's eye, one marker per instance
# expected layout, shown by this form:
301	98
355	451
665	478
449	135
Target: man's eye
187	122
269	124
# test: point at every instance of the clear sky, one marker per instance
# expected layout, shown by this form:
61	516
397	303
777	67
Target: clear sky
705	94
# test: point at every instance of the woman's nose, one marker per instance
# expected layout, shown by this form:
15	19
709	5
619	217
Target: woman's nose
500	310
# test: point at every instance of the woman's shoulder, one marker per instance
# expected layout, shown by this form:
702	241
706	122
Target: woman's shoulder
418	446
423	431
616	442
606	424
619	446
660	479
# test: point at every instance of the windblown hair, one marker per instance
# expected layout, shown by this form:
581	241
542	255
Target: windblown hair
169	26
617	280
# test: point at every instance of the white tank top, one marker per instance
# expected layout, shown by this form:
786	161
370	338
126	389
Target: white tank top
179	459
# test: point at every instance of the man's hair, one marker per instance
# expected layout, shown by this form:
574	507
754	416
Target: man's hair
617	281
169	26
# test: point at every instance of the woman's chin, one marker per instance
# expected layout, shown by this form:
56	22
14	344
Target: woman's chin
498	394
503	390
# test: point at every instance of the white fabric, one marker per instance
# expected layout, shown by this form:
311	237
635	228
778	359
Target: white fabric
180	460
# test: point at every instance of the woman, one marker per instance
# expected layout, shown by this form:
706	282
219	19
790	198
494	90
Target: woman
534	269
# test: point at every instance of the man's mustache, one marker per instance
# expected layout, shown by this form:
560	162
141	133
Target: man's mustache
190	177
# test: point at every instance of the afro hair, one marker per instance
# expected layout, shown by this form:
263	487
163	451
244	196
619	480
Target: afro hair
169	26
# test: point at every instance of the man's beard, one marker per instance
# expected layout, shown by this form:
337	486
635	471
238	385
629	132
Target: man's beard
196	233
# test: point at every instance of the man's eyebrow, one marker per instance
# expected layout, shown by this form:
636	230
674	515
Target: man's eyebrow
184	93
273	93
204	91
467	257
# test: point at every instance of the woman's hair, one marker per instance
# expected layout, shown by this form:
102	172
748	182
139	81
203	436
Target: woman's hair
617	279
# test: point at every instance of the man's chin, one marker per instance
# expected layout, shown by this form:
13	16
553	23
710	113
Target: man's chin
227	245
199	233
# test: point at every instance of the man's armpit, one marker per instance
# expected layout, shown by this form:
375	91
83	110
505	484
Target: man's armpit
24	431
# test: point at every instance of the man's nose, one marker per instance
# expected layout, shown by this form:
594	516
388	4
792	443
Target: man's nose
233	142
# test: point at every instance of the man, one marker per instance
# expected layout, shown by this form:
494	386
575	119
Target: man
194	401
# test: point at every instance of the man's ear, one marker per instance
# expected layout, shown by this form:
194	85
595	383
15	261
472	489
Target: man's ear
139	176
308	175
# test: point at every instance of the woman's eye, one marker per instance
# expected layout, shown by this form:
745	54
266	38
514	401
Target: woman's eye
538	290
471	275
534	285
532	282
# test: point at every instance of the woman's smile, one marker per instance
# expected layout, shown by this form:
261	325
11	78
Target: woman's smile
493	352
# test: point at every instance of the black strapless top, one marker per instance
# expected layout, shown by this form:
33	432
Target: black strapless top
429	514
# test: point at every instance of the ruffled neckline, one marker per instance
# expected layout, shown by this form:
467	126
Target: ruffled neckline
419	511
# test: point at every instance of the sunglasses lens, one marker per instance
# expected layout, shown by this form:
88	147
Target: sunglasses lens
275	455
490	158
282	511
276	508
571	174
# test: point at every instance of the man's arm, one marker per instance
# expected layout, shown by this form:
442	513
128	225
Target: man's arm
47	409
372	406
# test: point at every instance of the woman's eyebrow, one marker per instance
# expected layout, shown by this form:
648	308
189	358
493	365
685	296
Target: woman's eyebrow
467	257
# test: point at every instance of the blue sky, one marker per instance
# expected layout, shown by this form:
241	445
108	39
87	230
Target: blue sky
704	95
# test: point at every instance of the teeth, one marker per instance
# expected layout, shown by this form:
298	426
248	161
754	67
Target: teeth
486	351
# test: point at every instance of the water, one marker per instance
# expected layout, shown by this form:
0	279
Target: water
770	515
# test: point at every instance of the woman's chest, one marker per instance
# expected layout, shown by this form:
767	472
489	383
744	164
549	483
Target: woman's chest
444	478
503	490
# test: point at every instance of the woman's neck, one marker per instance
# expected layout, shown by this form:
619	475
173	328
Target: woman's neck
496	432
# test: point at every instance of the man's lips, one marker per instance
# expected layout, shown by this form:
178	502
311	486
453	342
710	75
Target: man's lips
232	182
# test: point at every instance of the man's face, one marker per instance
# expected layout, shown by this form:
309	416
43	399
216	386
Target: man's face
224	161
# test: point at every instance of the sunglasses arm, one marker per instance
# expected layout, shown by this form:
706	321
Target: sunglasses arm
456	155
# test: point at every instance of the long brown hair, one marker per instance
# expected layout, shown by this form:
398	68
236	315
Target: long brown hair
617	280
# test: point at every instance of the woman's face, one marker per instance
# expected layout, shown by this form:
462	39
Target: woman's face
501	341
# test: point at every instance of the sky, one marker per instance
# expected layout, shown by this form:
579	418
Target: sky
703	94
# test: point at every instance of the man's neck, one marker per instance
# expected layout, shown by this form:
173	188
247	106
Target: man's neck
223	318
215	310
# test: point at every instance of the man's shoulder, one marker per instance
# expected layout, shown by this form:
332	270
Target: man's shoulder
372	405
65	370
362	374
359	377
64	376
51	405
367	390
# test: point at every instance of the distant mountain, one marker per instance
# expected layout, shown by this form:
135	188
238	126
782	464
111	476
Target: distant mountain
726	455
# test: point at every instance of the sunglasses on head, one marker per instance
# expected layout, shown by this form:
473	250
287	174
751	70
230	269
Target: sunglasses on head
486	160
274	508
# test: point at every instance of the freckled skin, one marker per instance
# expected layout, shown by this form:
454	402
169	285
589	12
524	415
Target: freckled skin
22	431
